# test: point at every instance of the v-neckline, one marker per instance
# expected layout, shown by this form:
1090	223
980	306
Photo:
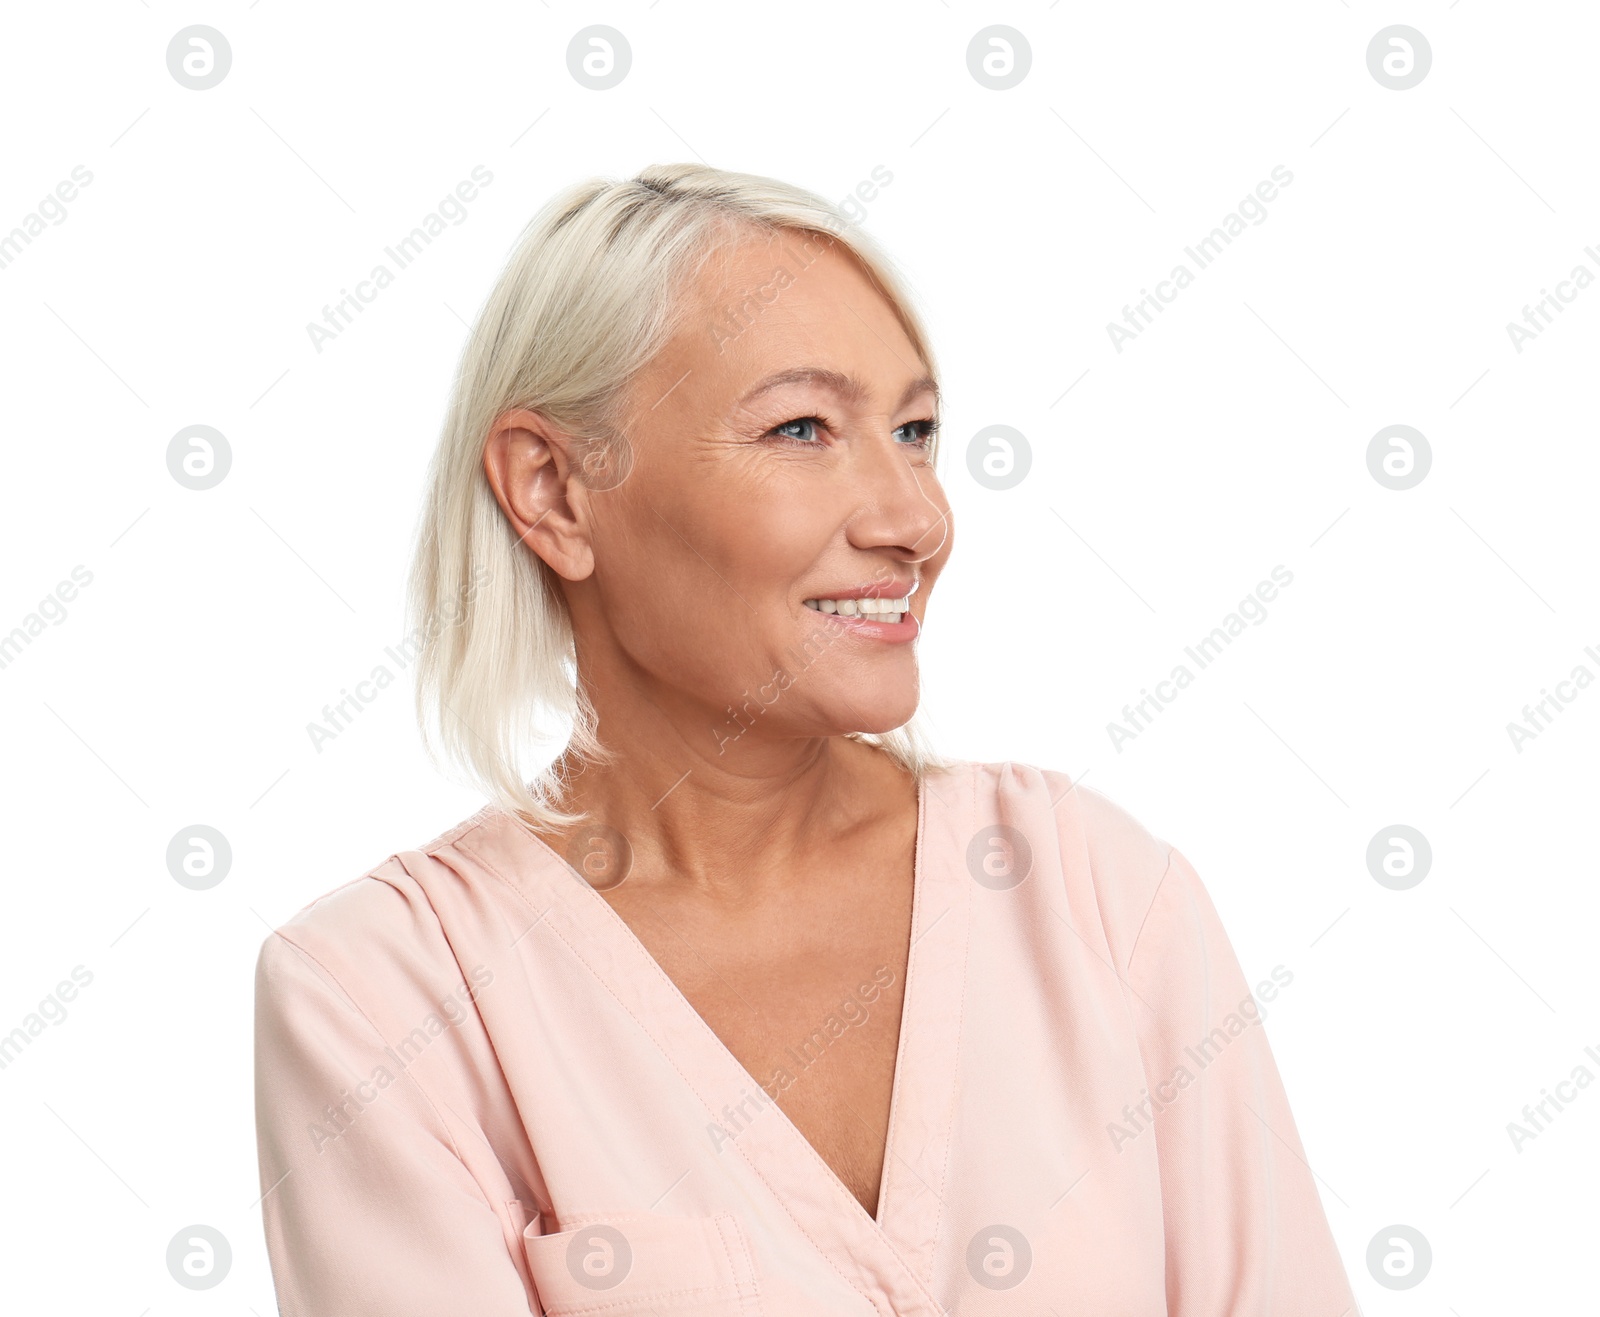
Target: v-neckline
907	1015
622	928
890	1257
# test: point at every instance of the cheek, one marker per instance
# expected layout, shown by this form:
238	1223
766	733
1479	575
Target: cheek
742	547
687	606
700	581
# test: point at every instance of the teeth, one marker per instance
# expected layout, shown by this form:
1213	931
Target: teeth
886	610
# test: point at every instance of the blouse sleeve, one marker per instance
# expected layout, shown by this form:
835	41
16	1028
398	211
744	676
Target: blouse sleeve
1246	1235
367	1208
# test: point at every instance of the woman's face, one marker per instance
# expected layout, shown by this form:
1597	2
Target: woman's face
779	453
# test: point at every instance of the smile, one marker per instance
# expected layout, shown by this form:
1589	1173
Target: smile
877	610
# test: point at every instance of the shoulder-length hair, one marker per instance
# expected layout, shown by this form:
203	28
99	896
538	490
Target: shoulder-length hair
587	299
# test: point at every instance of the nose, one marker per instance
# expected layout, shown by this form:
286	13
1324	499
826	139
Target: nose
902	506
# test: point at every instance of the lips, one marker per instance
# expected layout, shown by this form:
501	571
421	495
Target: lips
871	626
859	616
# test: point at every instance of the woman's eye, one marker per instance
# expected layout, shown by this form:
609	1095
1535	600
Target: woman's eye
922	432
804	432
799	431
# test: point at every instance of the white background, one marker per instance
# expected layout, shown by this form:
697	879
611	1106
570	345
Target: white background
1167	479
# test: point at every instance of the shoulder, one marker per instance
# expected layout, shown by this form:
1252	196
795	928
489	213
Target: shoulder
372	934
1091	840
1047	798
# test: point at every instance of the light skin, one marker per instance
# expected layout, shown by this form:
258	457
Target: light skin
771	871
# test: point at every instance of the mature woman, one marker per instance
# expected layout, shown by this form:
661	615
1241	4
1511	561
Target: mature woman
747	1003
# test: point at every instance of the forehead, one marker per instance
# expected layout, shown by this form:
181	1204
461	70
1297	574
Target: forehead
782	301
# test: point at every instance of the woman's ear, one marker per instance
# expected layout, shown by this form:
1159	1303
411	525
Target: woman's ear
529	463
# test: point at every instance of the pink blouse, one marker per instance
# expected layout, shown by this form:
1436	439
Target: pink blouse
478	1094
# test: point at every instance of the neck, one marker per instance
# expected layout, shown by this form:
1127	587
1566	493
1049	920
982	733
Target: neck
729	824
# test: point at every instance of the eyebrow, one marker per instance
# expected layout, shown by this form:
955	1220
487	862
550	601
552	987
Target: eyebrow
846	386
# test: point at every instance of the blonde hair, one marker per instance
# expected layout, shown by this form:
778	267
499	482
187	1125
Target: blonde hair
590	295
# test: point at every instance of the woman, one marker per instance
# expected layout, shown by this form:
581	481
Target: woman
747	1003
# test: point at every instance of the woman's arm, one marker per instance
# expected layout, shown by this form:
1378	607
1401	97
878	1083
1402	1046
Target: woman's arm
368	1209
1246	1235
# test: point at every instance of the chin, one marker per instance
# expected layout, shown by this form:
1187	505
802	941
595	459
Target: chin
871	715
